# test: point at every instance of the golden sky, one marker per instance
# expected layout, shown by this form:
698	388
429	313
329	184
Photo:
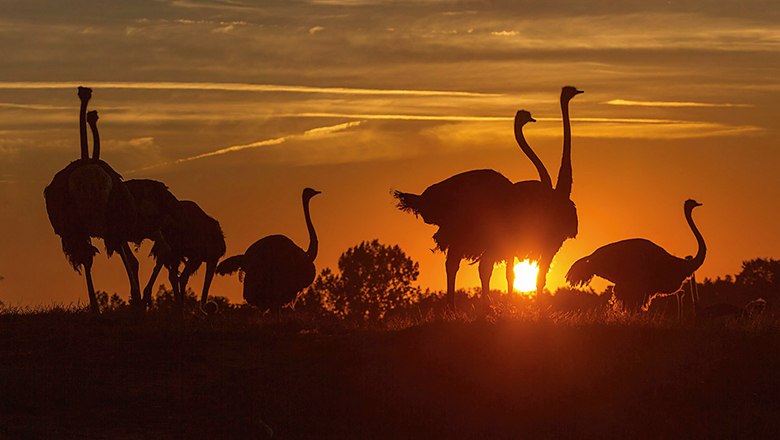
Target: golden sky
238	105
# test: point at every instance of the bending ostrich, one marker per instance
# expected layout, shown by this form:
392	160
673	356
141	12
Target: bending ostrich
638	267
155	206
157	209
194	239
469	209
88	199
275	269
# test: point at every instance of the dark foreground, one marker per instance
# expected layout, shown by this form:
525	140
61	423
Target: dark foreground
71	376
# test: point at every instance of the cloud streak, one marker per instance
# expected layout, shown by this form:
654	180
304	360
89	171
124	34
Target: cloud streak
233	87
626	102
311	133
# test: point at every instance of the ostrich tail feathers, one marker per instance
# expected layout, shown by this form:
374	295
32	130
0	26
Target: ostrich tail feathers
580	273
408	202
230	265
79	253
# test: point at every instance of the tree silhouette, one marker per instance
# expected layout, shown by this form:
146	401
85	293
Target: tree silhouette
760	275
374	278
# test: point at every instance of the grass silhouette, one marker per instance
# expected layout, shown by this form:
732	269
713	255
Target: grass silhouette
65	373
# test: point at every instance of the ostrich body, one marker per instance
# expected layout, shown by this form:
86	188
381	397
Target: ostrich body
638	267
88	199
275	268
470	209
194	239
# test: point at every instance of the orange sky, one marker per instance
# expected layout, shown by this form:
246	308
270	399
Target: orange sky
678	104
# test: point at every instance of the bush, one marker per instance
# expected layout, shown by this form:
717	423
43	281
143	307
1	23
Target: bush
374	278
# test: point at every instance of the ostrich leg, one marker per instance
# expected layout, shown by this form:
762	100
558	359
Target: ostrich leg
541	277
510	275
173	278
485	271
131	266
452	265
93	302
211	266
150	285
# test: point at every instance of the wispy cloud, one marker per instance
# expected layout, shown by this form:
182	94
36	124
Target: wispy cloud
34	106
671	104
234	87
311	133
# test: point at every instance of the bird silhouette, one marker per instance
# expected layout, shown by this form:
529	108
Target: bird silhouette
556	215
195	238
156	207
538	218
274	268
88	199
638	267
470	209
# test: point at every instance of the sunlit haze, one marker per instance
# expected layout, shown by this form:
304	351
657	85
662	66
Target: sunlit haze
525	276
240	105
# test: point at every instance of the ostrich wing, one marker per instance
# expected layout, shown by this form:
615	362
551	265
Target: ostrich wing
461	196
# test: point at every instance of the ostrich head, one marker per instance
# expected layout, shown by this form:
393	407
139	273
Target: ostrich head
569	92
308	193
85	93
92	117
523	117
690	204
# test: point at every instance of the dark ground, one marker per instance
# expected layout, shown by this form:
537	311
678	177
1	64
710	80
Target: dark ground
73	376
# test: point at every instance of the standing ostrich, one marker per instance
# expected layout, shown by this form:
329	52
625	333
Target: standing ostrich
638	267
276	269
540	218
88	199
194	239
469	209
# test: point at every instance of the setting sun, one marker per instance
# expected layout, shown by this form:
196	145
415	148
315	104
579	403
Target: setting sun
525	276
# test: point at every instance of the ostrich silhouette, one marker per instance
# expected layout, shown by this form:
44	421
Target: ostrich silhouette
469	209
539	218
88	199
194	239
155	206
157	209
483	216
638	267
275	269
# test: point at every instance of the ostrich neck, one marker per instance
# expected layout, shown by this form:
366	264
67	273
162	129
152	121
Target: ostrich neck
698	260
544	176
95	141
565	173
83	130
313	245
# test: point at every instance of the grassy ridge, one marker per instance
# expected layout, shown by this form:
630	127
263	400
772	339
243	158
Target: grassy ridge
69	375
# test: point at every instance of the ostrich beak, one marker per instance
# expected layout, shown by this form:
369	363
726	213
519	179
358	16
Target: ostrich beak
531	119
578	91
696	204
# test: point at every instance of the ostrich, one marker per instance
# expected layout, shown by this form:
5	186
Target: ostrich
155	206
88	199
540	218
276	269
469	209
638	267
194	239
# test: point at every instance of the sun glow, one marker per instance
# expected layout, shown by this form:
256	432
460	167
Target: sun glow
525	276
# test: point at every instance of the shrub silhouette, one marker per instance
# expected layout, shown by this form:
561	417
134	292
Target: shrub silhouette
374	278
